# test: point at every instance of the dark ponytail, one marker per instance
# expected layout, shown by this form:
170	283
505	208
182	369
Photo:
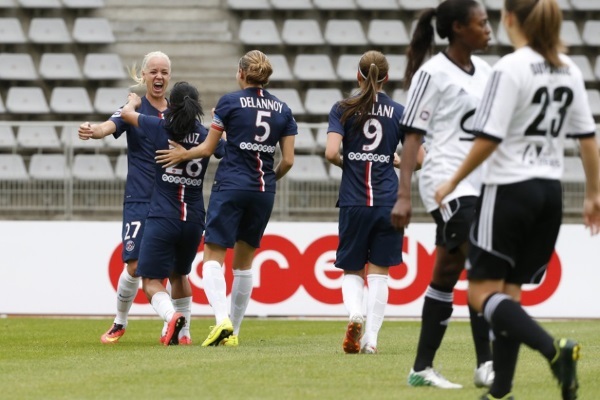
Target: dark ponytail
183	112
421	45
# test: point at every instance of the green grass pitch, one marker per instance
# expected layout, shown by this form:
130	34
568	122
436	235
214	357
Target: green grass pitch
62	358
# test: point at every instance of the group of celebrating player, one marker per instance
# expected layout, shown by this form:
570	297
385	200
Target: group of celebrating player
488	141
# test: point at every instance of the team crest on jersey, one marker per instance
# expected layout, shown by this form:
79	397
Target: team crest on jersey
424	115
130	245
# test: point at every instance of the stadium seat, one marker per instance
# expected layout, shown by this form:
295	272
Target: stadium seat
585	5
38	137
281	68
49	31
117	144
11	31
397	67
83	3
308	168
314	67
17	66
70	100
583	62
594	99
345	32
7	137
61	66
320	101
291	98
438	40
40	3
302	32
92	167
48	167
305	141
321	137
249	4
597	68
335	4
259	31
591	33
103	66
415	5
292	4
347	66
335	172
8	3
502	36
109	100
2	107
491	59
569	33
92	30
26	100
388	32
12	168
70	139
573	170
121	167
400	96
377	4
495	5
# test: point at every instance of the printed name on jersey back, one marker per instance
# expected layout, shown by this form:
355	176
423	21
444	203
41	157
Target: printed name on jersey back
192	138
262	103
382	110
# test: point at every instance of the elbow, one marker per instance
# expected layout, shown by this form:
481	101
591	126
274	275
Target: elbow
331	155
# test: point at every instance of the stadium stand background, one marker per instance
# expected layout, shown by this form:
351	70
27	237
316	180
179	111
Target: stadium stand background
63	62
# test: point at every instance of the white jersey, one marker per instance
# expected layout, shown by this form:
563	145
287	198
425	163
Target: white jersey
530	108
441	104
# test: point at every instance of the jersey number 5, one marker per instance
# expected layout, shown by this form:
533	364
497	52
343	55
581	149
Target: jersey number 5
561	95
260	123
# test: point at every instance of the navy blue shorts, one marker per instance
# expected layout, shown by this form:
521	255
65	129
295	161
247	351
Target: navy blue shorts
134	221
515	230
367	235
454	222
169	245
238	215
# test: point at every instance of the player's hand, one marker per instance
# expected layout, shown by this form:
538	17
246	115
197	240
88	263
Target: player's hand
85	131
444	190
401	213
396	160
591	214
134	99
171	157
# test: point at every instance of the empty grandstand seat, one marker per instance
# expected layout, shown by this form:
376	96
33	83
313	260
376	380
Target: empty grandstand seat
48	167
26	100
118	144
597	68
17	66
314	67
2	107
249	4
573	170
569	33
70	138
397	67
8	3
291	97
335	172
438	40
418	4
7	137
59	66
70	100
377	4
12	168
49	30
292	4
583	62
594	99
93	167
83	3
388	32
585	5
320	101
38	137
308	168
40	3
92	30
121	167
347	66
11	31
321	137
259	31
491	59
103	66
502	36
305	141
400	96
342	32
109	100
281	68
335	4
302	32
591	33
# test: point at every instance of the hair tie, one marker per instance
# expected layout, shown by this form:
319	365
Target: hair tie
186	97
365	78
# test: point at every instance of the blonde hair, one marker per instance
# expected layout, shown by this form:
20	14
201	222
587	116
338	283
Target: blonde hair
540	22
138	76
256	67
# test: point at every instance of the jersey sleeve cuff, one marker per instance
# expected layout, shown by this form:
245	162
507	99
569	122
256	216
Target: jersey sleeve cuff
581	135
412	129
487	136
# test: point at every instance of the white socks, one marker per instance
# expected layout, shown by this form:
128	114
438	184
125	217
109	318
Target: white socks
126	291
240	296
352	292
161	302
213	280
184	306
376	301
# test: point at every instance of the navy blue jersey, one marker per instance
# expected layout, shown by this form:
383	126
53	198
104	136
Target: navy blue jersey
177	190
368	177
140	155
254	120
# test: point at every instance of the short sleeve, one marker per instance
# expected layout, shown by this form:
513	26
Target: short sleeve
221	113
335	124
423	99
581	122
121	126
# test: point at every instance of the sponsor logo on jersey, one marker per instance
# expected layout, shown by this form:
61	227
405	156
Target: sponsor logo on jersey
368	157
180	180
263	148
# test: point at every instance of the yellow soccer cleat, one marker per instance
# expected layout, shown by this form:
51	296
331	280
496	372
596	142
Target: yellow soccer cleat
231	341
218	333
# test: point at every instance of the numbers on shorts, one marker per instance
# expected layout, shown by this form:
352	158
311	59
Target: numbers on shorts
131	229
260	123
563	97
373	131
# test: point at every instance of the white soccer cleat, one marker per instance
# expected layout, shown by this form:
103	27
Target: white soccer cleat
430	377
369	349
484	375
